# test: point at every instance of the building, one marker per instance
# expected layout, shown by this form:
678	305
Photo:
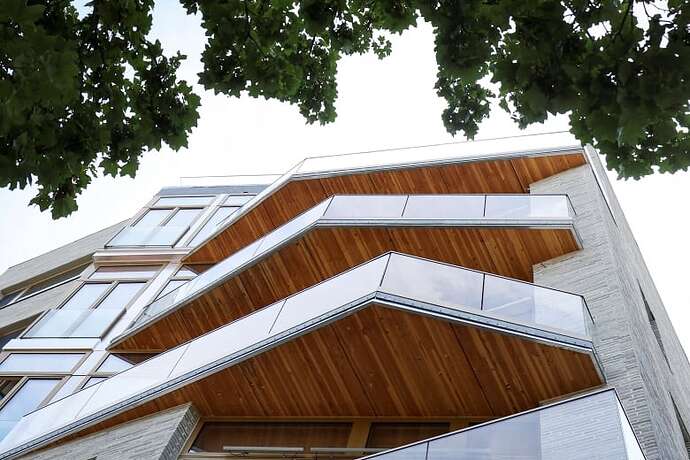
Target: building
469	301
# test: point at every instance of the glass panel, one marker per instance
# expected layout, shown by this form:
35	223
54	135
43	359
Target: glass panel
93	381
7	384
9	336
366	206
29	396
40	362
183	218
528	303
152	218
228	339
210	226
96	323
124	273
389	435
174	201
57	323
214	436
148	236
85	296
526	206
415	452
445	206
433	282
113	364
331	294
186	272
237	200
171	286
120	296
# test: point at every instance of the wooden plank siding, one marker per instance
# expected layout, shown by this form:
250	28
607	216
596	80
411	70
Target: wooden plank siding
382	362
494	176
325	252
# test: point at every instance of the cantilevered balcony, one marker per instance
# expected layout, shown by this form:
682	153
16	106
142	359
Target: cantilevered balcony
398	336
587	427
502	234
475	167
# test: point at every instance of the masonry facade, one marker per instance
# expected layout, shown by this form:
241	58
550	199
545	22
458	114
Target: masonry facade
472	301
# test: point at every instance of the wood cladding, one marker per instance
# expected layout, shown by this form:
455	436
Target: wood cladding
494	176
382	362
326	252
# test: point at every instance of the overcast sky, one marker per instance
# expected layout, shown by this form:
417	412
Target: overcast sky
389	103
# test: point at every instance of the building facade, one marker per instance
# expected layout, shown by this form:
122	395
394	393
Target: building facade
467	301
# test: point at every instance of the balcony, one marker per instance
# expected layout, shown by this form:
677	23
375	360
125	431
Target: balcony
442	169
398	336
503	234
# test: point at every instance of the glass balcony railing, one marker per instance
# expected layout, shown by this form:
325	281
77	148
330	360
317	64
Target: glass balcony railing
398	280
592	426
388	210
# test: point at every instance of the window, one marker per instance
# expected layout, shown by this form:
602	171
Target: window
389	435
232	436
23	363
41	286
143	272
88	313
94	381
183	275
653	325
113	364
163	224
210	226
9	336
31	394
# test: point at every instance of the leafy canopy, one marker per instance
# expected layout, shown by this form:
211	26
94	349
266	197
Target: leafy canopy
79	94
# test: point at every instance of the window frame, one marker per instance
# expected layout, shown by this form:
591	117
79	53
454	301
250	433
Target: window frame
4	355
22	294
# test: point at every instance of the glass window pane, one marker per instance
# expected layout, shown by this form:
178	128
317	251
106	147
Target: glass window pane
526	206
152	218
93	381
186	272
9	336
124	273
183	218
29	396
528	303
444	206
210	226
171	286
147	236
8	299
389	435
57	323
237	200
120	296
174	201
366	206
433	282
96	323
113	364
85	296
40	362
214	436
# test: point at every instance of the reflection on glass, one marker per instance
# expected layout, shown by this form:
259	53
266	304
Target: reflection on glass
40	362
148	236
120	296
93	381
174	201
96	323
584	428
529	303
237	200
124	273
29	396
366	206
85	296
445	206
171	286
527	206
112	365
152	218
210	226
433	282
183	218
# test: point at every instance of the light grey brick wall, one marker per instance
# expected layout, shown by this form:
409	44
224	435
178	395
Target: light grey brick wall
156	437
606	272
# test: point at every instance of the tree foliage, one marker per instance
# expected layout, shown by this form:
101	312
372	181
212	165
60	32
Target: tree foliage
85	93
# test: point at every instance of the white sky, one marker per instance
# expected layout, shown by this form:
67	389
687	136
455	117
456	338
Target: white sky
381	104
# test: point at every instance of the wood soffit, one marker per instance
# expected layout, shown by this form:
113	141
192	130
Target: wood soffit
488	176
